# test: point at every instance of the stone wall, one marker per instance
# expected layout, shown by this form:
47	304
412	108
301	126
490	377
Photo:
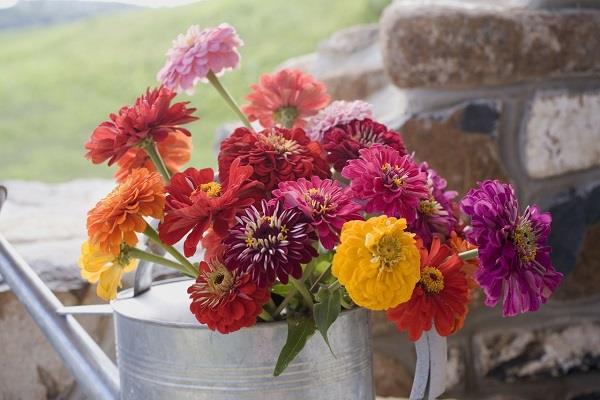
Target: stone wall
506	89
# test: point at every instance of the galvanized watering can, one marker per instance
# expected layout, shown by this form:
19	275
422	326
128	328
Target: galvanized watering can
164	353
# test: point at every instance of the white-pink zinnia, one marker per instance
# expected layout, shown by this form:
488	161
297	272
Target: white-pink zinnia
198	52
336	113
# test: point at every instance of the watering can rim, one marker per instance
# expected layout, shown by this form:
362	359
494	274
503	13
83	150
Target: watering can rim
167	304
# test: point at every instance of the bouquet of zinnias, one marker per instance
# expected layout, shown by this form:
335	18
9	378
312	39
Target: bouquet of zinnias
320	209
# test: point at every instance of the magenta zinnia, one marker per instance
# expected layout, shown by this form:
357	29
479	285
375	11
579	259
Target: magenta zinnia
324	201
270	242
198	52
434	213
513	250
390	183
342	142
336	113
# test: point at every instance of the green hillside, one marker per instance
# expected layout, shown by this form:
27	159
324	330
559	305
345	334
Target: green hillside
57	83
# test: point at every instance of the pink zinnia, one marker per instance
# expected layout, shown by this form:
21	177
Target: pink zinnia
197	53
324	201
338	112
390	183
285	98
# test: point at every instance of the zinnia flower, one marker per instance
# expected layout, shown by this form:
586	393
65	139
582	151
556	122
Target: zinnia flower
325	202
106	269
269	243
440	297
195	202
342	142
377	262
337	113
277	155
434	213
390	183
513	250
117	217
196	53
459	245
225	301
285	98
175	151
151	118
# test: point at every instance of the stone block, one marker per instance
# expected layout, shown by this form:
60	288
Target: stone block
561	133
524	355
442	44
458	142
392	378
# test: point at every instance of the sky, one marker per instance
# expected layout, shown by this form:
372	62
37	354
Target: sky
147	3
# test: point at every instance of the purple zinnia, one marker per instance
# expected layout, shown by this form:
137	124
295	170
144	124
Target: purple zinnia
270	242
336	113
434	213
515	259
389	182
342	142
324	202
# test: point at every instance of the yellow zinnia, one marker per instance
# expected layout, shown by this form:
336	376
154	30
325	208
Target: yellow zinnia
103	267
378	262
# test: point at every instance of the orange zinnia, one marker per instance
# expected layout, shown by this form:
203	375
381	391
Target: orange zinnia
175	151
118	216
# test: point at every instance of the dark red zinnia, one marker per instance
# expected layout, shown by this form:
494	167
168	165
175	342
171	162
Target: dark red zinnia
152	117
343	142
277	155
270	243
195	202
225	301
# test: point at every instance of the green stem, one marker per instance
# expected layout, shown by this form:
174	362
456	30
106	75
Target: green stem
153	235
293	290
144	255
212	78
323	274
469	254
300	287
265	316
335	285
157	160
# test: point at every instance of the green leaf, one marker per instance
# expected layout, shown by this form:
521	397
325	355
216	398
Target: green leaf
300	328
326	311
281	289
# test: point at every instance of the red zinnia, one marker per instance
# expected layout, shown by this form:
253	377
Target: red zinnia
285	98
195	202
225	301
440	297
175	151
277	155
152	117
342	142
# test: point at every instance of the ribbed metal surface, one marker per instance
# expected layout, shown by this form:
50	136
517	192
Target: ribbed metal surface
180	360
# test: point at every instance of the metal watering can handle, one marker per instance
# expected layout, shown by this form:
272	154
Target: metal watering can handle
90	366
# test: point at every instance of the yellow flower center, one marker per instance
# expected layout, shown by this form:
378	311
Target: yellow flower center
389	251
525	240
280	144
393	174
321	204
220	280
428	207
212	189
432	280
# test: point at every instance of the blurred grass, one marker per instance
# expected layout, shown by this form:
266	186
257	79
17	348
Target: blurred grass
57	84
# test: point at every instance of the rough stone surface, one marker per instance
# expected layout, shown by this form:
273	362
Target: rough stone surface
391	377
349	63
454	44
525	355
46	224
29	367
458	142
562	133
